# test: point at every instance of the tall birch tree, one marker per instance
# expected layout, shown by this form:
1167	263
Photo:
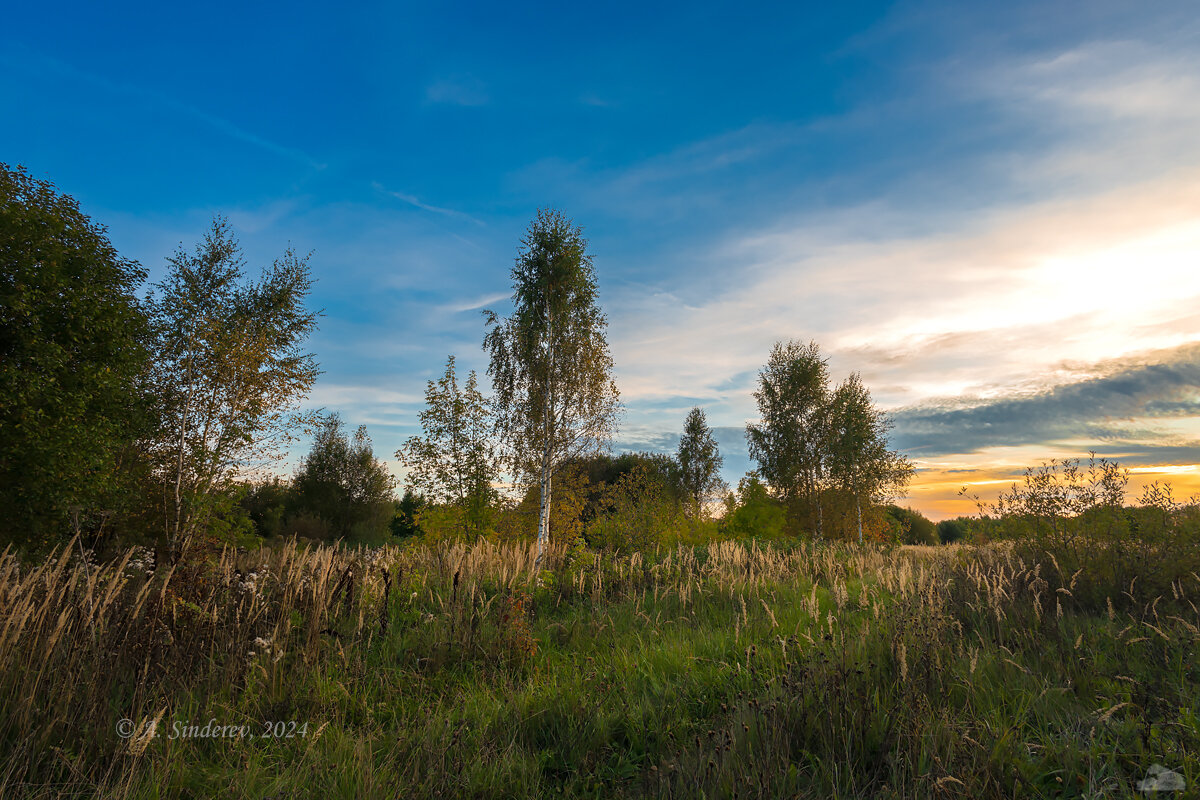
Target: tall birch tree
787	442
230	371
551	370
858	461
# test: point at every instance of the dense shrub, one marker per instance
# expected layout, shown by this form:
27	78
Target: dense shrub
1075	522
637	514
754	512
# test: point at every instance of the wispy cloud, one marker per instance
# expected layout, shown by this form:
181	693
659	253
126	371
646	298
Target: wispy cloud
331	395
230	129
595	101
475	303
666	185
26	59
416	203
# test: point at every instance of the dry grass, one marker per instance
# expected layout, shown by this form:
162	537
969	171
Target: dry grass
811	669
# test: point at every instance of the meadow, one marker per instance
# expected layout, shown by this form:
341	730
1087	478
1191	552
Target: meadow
737	669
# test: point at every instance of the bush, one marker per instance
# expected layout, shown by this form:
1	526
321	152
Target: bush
266	504
1074	521
405	522
755	512
308	526
638	514
447	522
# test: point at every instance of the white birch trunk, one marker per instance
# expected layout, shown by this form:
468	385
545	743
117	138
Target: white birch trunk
858	503
178	533
547	445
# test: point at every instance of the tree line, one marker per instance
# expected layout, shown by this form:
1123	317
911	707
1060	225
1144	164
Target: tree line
127	414
133	415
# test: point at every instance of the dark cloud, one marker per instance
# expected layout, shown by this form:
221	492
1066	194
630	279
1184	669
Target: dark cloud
1164	384
1108	410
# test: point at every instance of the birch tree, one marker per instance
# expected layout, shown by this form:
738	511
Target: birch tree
551	370
787	442
230	371
857	457
454	462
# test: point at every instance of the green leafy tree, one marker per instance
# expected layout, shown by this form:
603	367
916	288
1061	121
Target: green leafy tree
73	357
753	512
952	530
454	462
816	446
266	503
342	483
699	464
406	519
230	372
855	453
788	441
912	526
550	363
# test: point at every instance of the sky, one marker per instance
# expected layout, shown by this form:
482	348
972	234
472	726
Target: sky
990	211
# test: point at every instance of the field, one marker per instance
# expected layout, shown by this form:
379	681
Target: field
734	670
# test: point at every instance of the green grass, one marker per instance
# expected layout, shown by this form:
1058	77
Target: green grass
730	671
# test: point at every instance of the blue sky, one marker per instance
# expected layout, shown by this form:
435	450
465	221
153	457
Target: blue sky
990	212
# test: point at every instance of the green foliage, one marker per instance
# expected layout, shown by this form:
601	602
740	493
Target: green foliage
266	504
952	530
754	512
589	491
637	514
699	464
817	448
229	372
603	468
911	526
231	522
1074	520
593	477
73	359
793	399
576	501
857	462
551	370
405	520
454	463
341	483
